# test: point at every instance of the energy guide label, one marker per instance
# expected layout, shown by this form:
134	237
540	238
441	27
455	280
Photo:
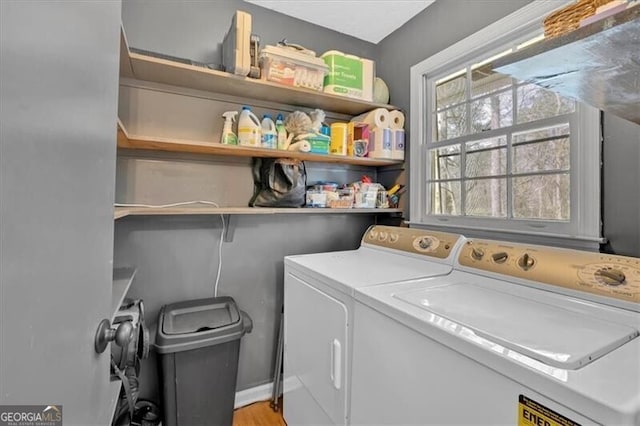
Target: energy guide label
532	413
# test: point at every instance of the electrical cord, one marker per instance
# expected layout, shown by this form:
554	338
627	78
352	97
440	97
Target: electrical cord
224	227
185	203
164	206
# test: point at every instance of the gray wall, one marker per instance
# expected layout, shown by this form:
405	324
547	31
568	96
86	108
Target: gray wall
621	183
194	29
449	21
177	257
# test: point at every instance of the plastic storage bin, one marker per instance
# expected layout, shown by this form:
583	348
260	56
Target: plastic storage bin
198	342
286	66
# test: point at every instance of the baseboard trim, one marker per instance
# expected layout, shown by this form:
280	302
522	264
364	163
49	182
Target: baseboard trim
255	394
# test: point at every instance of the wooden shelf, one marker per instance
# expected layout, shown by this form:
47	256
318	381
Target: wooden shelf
119	212
153	69
127	141
122	279
598	64
201	210
149	68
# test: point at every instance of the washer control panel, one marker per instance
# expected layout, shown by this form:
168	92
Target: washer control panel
596	273
411	240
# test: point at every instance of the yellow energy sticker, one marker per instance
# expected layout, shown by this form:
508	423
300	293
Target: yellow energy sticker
531	413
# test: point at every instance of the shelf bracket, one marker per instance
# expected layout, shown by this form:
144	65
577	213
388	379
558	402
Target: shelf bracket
231	221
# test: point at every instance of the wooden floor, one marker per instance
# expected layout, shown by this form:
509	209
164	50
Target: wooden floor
258	414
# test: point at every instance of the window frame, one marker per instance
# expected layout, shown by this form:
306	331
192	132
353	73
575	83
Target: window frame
584	224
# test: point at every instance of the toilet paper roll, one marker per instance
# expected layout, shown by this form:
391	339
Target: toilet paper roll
396	120
380	139
378	117
302	146
397	147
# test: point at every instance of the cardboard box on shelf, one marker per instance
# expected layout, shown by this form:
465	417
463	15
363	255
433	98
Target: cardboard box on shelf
349	75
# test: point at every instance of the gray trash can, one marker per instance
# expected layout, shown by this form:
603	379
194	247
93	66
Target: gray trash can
198	342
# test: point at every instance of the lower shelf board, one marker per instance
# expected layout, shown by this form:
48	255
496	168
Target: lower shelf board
170	211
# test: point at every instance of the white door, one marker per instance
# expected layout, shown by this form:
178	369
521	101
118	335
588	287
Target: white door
315	355
59	85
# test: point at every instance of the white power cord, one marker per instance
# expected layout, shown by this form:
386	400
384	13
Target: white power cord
224	227
185	203
164	206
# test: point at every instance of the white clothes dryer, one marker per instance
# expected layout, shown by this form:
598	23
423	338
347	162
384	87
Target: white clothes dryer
318	312
515	335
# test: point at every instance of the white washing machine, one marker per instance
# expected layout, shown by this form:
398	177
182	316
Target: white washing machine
515	335
318	314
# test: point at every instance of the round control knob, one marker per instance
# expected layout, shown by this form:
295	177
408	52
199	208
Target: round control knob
393	238
425	243
373	234
526	262
610	276
382	236
477	253
500	257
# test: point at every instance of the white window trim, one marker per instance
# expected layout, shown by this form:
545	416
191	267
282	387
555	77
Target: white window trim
585	199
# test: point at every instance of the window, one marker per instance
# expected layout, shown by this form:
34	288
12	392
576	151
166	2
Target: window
499	154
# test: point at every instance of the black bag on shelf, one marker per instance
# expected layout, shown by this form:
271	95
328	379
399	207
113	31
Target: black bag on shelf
278	182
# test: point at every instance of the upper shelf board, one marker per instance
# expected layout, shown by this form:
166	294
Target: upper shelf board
149	68
598	64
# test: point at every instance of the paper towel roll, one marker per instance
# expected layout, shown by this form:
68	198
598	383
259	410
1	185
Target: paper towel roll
396	120
378	117
302	146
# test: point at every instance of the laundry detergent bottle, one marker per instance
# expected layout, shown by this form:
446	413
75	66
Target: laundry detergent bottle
269	135
249	133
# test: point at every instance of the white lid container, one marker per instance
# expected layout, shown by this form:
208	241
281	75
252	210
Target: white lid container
286	66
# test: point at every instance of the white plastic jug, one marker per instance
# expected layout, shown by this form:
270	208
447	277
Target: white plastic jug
269	134
249	133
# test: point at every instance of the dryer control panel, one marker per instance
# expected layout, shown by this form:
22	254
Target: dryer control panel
596	273
411	240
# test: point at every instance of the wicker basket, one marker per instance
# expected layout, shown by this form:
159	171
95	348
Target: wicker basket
341	204
568	19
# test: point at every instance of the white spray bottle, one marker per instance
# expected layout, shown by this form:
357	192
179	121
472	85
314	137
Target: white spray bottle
228	137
